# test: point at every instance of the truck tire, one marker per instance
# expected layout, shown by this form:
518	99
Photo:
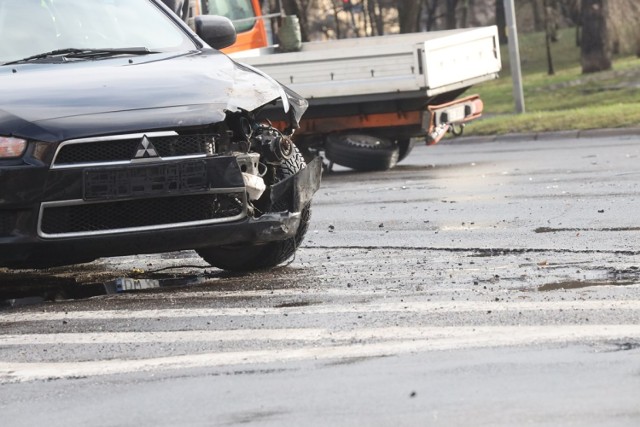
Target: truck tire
249	257
405	145
362	152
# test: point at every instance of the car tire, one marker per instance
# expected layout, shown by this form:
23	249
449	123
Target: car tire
249	257
362	152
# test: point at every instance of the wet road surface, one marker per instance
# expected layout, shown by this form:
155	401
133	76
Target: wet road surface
495	282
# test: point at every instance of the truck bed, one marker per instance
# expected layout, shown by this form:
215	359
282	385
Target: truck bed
384	67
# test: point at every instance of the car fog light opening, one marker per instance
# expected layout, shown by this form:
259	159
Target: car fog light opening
11	147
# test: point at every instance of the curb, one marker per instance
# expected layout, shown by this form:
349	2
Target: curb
549	136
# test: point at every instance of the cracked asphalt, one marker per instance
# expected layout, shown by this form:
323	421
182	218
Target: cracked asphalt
486	283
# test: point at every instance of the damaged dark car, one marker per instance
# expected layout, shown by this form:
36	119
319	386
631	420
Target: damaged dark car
122	132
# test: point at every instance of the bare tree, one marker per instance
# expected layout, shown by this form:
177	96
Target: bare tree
624	31
464	18
408	10
365	21
373	10
538	21
551	19
501	21
595	46
550	33
431	10
570	10
451	15
336	19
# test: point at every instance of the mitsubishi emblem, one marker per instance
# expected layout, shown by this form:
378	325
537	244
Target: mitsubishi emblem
145	149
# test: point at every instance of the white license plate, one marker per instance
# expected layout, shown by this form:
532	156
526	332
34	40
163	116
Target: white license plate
455	114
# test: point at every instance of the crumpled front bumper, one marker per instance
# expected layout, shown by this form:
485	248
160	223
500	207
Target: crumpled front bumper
300	187
21	251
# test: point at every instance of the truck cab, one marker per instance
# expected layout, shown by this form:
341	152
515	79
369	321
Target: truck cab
246	16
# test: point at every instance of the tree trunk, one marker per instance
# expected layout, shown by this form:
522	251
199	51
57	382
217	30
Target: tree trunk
548	35
570	11
623	17
538	23
464	19
552	22
431	7
373	8
450	14
336	19
365	21
501	21
407	12
595	46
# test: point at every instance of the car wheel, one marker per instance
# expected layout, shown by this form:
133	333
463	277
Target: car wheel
248	257
362	152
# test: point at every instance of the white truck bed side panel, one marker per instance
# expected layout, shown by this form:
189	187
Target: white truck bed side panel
461	57
382	65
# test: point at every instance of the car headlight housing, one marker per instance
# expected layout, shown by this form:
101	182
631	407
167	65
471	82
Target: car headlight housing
11	147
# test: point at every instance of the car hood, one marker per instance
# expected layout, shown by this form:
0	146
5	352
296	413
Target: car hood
63	100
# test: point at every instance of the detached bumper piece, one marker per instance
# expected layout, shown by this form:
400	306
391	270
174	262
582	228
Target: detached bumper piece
297	190
443	118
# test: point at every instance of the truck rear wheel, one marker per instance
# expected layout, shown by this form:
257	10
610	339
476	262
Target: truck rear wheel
362	152
249	257
406	146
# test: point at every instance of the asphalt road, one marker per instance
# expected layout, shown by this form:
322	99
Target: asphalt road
490	284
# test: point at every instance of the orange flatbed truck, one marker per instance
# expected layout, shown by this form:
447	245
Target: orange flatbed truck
370	98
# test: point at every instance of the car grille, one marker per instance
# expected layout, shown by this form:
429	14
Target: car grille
124	148
68	220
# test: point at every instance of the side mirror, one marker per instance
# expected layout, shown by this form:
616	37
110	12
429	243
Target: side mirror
217	31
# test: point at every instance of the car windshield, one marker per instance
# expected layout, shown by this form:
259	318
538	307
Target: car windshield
33	27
